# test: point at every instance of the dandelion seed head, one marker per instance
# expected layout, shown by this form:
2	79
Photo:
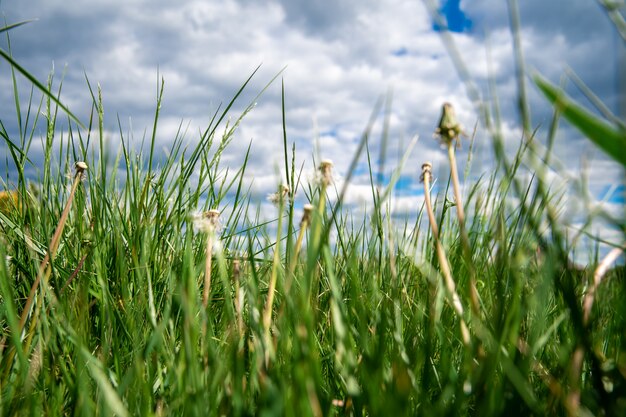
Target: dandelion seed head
306	215
448	129
207	221
426	171
80	166
273	198
280	195
326	172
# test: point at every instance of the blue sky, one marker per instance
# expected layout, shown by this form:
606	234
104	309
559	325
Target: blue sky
339	58
456	20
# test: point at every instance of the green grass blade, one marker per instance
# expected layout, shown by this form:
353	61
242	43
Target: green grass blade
110	395
395	176
39	85
14	25
610	139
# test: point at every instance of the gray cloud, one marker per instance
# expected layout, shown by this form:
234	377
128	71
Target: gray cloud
576	20
324	19
339	59
577	34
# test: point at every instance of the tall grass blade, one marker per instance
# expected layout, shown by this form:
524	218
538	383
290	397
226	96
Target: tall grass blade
610	139
15	25
39	85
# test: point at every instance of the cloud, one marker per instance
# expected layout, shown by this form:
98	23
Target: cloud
339	58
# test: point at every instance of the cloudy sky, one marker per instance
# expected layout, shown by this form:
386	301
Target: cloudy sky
338	57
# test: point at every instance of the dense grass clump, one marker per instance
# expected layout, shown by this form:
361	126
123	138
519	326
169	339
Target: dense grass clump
139	286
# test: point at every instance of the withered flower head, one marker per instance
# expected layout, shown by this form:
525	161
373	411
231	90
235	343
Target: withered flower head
208	221
326	171
449	129
280	195
426	171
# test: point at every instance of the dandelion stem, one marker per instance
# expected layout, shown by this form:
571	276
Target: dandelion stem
45	268
304	224
597	278
572	401
209	222
456	185
207	270
267	312
441	255
325	179
466	246
236	279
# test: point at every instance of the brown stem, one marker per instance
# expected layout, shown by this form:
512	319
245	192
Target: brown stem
236	276
598	274
466	246
45	267
441	255
207	270
572	401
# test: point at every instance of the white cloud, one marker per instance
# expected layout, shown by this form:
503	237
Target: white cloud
340	58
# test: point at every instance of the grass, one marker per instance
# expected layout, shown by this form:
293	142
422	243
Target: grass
117	297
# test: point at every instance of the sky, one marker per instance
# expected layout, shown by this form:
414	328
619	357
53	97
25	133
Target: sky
337	59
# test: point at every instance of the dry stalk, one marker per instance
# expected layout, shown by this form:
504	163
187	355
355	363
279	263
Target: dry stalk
572	401
598	274
324	180
238	307
281	195
449	132
441	255
210	224
304	224
45	268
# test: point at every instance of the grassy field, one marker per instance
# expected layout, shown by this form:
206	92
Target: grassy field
144	286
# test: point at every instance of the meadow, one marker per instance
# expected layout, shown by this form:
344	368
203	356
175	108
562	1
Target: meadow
138	285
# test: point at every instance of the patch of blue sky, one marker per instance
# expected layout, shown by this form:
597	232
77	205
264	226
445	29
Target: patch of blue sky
402	51
362	169
332	132
405	183
455	18
615	194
